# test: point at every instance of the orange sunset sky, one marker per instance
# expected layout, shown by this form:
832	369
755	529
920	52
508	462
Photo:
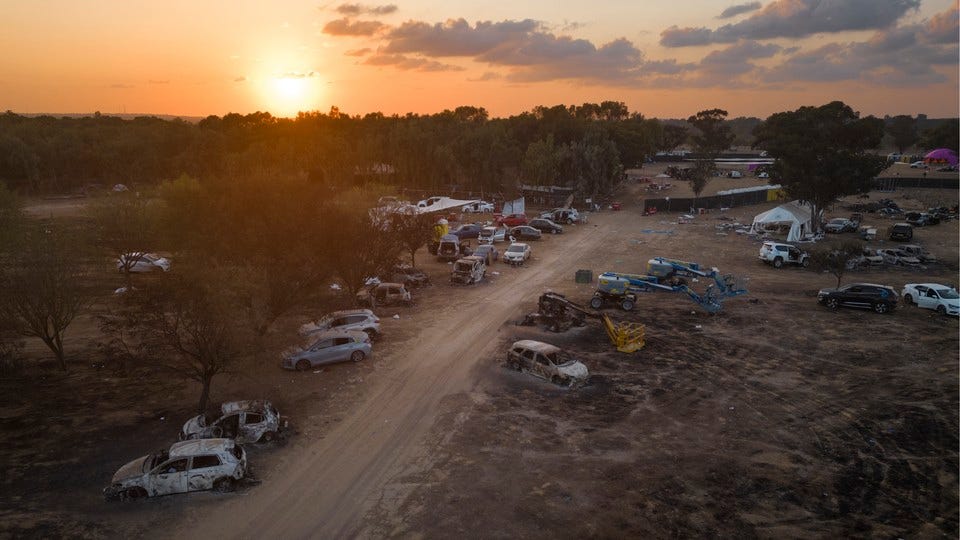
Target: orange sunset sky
664	59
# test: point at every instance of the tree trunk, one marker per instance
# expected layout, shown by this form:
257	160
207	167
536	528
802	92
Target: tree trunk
413	258
204	393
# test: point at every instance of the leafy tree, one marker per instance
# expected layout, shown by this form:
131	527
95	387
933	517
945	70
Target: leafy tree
672	136
413	231
43	288
713	137
365	247
836	260
821	152
903	130
945	135
540	164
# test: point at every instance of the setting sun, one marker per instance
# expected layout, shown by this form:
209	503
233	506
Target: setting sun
287	94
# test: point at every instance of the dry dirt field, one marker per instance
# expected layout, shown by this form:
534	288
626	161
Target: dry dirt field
774	418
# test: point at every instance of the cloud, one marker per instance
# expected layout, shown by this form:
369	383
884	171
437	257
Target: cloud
456	37
298	75
943	27
739	9
154	81
487	76
346	27
667	67
359	52
406	63
352	10
796	18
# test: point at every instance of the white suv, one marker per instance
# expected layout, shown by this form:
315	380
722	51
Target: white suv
780	254
546	361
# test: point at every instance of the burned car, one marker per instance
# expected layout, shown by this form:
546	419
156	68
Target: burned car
244	421
196	465
546	361
384	294
468	270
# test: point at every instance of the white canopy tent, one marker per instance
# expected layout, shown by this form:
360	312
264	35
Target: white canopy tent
794	216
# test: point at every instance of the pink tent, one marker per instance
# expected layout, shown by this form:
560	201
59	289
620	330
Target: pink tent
941	155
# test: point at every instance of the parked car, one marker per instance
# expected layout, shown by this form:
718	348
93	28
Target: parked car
329	347
941	298
359	320
839	225
488	252
139	262
735	174
546	361
512	220
467	231
563	215
468	270
869	258
763	175
901	231
517	254
245	421
779	254
546	226
187	466
896	256
879	298
917	251
524	232
918	165
412	278
478	207
948	168
385	294
491	235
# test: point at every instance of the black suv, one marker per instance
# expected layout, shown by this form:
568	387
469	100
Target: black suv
545	225
879	298
901	231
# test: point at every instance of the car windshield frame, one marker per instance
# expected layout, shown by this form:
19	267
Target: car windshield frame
947	294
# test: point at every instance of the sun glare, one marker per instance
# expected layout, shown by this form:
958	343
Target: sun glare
289	94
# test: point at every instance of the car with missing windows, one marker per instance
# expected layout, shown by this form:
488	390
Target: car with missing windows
940	298
839	225
547	362
195	465
384	294
245	421
778	254
488	252
362	320
328	347
879	298
142	263
478	207
492	235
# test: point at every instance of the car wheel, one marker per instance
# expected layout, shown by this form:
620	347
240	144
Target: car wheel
556	380
224	485
941	310
267	437
515	366
356	356
627	304
371	333
881	307
554	231
778	262
596	302
805	263
303	365
569	221
133	494
832	303
908	298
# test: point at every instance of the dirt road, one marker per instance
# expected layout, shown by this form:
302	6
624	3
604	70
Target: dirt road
326	491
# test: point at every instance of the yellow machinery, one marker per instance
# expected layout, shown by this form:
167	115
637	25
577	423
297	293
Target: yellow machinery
559	314
628	337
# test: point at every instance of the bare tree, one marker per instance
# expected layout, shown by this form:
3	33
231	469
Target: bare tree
836	260
43	289
413	231
124	224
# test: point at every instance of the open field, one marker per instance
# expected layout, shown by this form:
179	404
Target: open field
775	418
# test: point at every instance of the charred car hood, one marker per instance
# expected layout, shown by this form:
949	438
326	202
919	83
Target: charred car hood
130	470
574	370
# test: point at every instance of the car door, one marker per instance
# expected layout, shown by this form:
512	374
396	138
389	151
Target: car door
543	366
527	360
320	352
170	477
228	426
204	471
252	425
928	299
853	296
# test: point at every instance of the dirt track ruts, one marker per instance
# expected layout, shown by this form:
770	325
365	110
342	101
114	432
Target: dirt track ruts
326	490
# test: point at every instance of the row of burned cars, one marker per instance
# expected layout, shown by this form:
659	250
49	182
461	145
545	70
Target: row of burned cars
209	455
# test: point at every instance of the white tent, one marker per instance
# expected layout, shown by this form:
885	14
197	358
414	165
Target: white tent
795	216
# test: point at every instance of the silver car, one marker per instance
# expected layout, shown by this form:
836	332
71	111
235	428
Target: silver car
546	361
188	466
329	348
246	421
361	320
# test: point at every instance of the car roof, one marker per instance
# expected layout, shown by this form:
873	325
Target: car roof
200	446
521	244
538	346
335	332
345	312
244	405
930	285
870	285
